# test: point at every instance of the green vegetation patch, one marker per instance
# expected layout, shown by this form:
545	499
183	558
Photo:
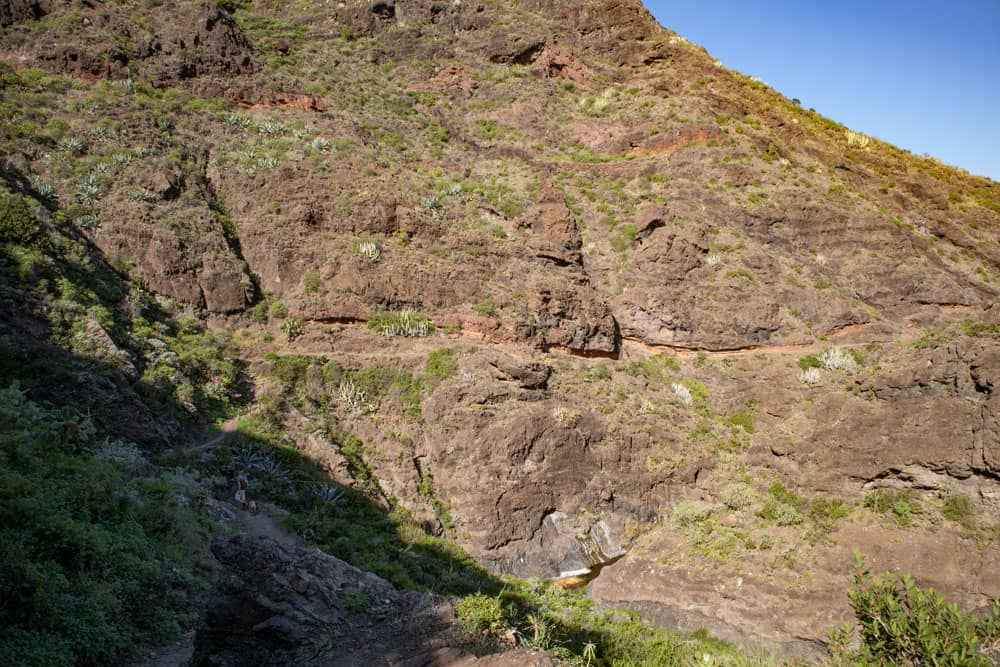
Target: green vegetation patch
100	552
899	623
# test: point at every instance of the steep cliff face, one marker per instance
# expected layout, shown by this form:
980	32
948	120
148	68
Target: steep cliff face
692	325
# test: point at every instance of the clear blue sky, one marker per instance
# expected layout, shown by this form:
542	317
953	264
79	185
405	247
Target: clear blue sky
922	75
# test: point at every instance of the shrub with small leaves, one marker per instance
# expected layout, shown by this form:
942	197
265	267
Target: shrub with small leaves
738	496
900	623
481	614
781	514
566	417
688	512
17	224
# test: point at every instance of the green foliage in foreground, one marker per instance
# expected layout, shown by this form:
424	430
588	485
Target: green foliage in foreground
98	553
901	624
568	624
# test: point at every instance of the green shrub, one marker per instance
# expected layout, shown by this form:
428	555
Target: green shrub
741	418
903	503
311	282
738	496
810	361
781	514
440	366
17	224
959	509
901	624
355	602
486	309
481	614
94	560
688	512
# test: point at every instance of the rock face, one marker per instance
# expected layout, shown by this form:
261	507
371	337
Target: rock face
17	11
195	38
638	261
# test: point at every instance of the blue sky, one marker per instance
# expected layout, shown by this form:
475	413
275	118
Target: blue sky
924	76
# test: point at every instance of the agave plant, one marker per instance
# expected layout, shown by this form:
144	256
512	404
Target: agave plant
238	123
140	194
88	188
42	188
369	250
271	128
329	495
70	145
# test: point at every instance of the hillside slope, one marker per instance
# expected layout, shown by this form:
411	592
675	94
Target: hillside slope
543	277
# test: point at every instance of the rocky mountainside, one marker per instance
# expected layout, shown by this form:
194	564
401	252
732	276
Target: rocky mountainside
539	281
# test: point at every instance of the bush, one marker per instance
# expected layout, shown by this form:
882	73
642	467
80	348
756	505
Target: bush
486	309
903	503
481	614
93	560
440	366
810	361
738	496
17	224
959	509
902	624
688	512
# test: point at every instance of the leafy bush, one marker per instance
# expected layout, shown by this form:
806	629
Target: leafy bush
901	624
93	560
486	309
810	361
738	496
903	503
781	514
440	366
959	509
355	602
311	282
688	512
482	614
17	224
